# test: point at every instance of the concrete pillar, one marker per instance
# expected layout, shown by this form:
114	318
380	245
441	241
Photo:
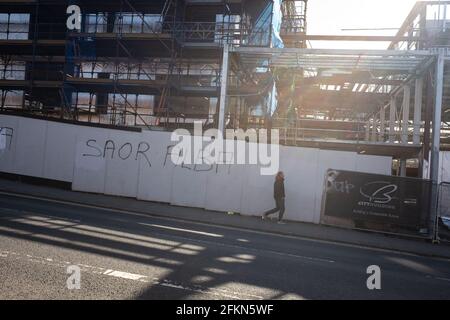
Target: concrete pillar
392	112
382	125
406	106
418	110
223	89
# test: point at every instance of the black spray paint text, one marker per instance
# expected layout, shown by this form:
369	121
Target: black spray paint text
111	150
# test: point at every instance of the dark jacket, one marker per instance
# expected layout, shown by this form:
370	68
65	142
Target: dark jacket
278	189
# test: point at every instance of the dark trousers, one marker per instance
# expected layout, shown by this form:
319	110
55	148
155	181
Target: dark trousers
279	208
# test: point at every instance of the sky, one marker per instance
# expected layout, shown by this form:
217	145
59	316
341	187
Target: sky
331	16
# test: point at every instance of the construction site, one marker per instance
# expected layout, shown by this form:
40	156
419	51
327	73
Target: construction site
156	66
233	64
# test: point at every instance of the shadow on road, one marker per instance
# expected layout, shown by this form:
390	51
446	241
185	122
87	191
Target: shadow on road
202	261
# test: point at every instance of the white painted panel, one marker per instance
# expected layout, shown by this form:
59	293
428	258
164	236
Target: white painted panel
374	164
257	193
445	167
123	153
9	128
31	140
60	151
328	159
300	168
189	184
224	188
155	175
227	183
90	163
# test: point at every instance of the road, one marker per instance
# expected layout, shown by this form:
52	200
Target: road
123	255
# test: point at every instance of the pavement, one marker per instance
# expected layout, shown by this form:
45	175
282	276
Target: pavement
125	255
302	230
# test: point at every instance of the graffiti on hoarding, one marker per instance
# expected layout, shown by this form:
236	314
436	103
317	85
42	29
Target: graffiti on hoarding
199	166
111	150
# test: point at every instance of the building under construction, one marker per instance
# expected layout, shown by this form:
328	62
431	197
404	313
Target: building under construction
163	64
147	63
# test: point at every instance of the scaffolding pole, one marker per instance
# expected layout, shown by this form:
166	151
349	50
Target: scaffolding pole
405	120
223	89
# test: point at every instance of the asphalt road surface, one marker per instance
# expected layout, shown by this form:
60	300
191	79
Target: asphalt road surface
122	255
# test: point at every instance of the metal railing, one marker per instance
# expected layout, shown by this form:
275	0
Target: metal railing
293	25
126	117
294	130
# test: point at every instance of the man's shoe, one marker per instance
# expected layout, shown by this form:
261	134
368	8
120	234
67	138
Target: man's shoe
281	222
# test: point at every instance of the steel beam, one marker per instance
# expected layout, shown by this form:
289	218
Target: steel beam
392	118
418	109
405	119
382	124
350	38
353	52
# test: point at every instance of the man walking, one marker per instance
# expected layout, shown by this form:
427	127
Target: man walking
279	195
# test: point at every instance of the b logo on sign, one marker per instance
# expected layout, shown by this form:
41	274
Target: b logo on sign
379	191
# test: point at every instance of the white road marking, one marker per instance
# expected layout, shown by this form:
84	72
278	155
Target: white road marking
215	235
223	293
438	278
443	279
124	275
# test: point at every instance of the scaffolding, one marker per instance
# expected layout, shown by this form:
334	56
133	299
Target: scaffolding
132	63
160	64
294	23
